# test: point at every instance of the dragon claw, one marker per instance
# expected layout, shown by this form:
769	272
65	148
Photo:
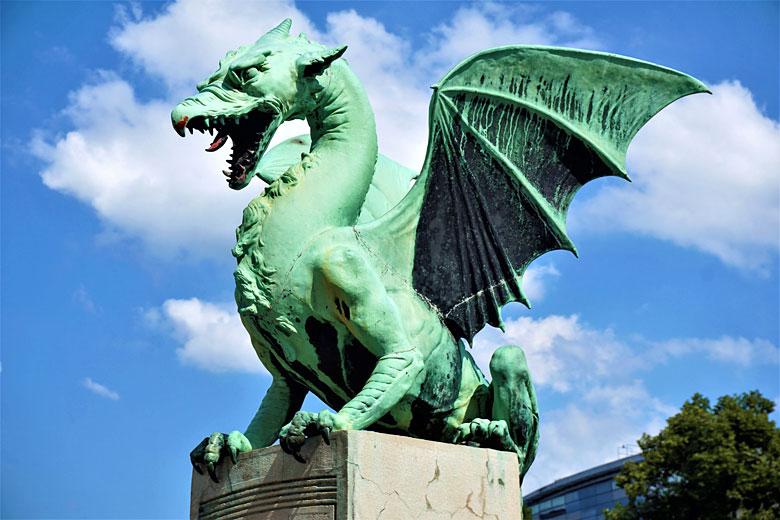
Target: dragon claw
485	434
297	456
212	472
283	445
325	432
307	424
213	449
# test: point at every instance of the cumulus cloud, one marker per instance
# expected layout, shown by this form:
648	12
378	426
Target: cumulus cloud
534	280
99	389
741	352
485	25
705	168
186	40
705	176
605	407
565	354
561	351
586	432
119	161
122	158
211	335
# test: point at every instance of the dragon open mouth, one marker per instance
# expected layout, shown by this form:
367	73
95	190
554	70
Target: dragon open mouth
250	134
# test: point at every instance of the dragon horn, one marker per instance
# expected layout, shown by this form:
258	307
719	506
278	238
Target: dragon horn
280	31
313	63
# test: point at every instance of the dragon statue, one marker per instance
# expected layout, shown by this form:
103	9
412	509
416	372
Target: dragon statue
357	284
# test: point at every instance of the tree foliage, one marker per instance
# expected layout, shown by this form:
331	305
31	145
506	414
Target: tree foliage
713	462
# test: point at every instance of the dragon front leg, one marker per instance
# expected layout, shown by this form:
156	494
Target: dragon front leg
280	403
373	318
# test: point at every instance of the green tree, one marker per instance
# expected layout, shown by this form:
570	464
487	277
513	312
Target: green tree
707	463
527	515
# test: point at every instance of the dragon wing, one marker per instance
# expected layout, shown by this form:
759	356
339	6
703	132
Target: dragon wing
514	132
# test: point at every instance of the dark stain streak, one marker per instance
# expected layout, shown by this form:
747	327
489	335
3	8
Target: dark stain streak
297	371
359	362
437	394
590	107
324	338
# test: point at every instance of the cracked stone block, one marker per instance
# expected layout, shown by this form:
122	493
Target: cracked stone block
362	476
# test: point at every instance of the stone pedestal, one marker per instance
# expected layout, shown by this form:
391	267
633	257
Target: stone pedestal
362	476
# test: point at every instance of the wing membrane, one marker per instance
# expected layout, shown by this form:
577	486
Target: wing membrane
514	133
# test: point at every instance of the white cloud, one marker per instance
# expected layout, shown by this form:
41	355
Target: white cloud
706	175
82	298
398	91
185	42
485	25
99	389
705	168
562	353
120	161
587	432
606	407
211	335
123	159
534	279
741	352
565	354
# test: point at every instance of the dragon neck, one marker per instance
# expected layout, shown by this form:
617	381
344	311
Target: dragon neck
326	189
343	151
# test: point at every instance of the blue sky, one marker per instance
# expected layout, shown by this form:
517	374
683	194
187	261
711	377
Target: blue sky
120	344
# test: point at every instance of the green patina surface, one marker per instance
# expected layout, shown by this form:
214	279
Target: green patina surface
358	288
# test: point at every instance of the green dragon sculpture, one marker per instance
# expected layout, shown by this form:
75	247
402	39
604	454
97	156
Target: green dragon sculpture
358	288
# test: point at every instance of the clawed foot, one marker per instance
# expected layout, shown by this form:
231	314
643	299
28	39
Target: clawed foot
213	449
486	434
307	424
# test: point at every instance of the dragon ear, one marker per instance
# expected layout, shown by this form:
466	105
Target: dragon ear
280	31
314	63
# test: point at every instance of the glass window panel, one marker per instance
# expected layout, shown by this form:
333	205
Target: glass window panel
572	496
557	501
535	508
544	505
587	491
603	487
574	505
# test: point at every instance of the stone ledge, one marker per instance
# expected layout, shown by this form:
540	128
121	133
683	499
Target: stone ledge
362	476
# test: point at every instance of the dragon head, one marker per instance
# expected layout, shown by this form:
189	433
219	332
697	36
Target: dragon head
256	89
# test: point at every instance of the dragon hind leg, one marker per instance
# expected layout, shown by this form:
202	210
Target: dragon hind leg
514	425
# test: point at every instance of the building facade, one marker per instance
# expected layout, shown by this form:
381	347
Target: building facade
582	496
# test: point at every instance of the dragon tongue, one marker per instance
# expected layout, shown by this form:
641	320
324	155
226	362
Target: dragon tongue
220	140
